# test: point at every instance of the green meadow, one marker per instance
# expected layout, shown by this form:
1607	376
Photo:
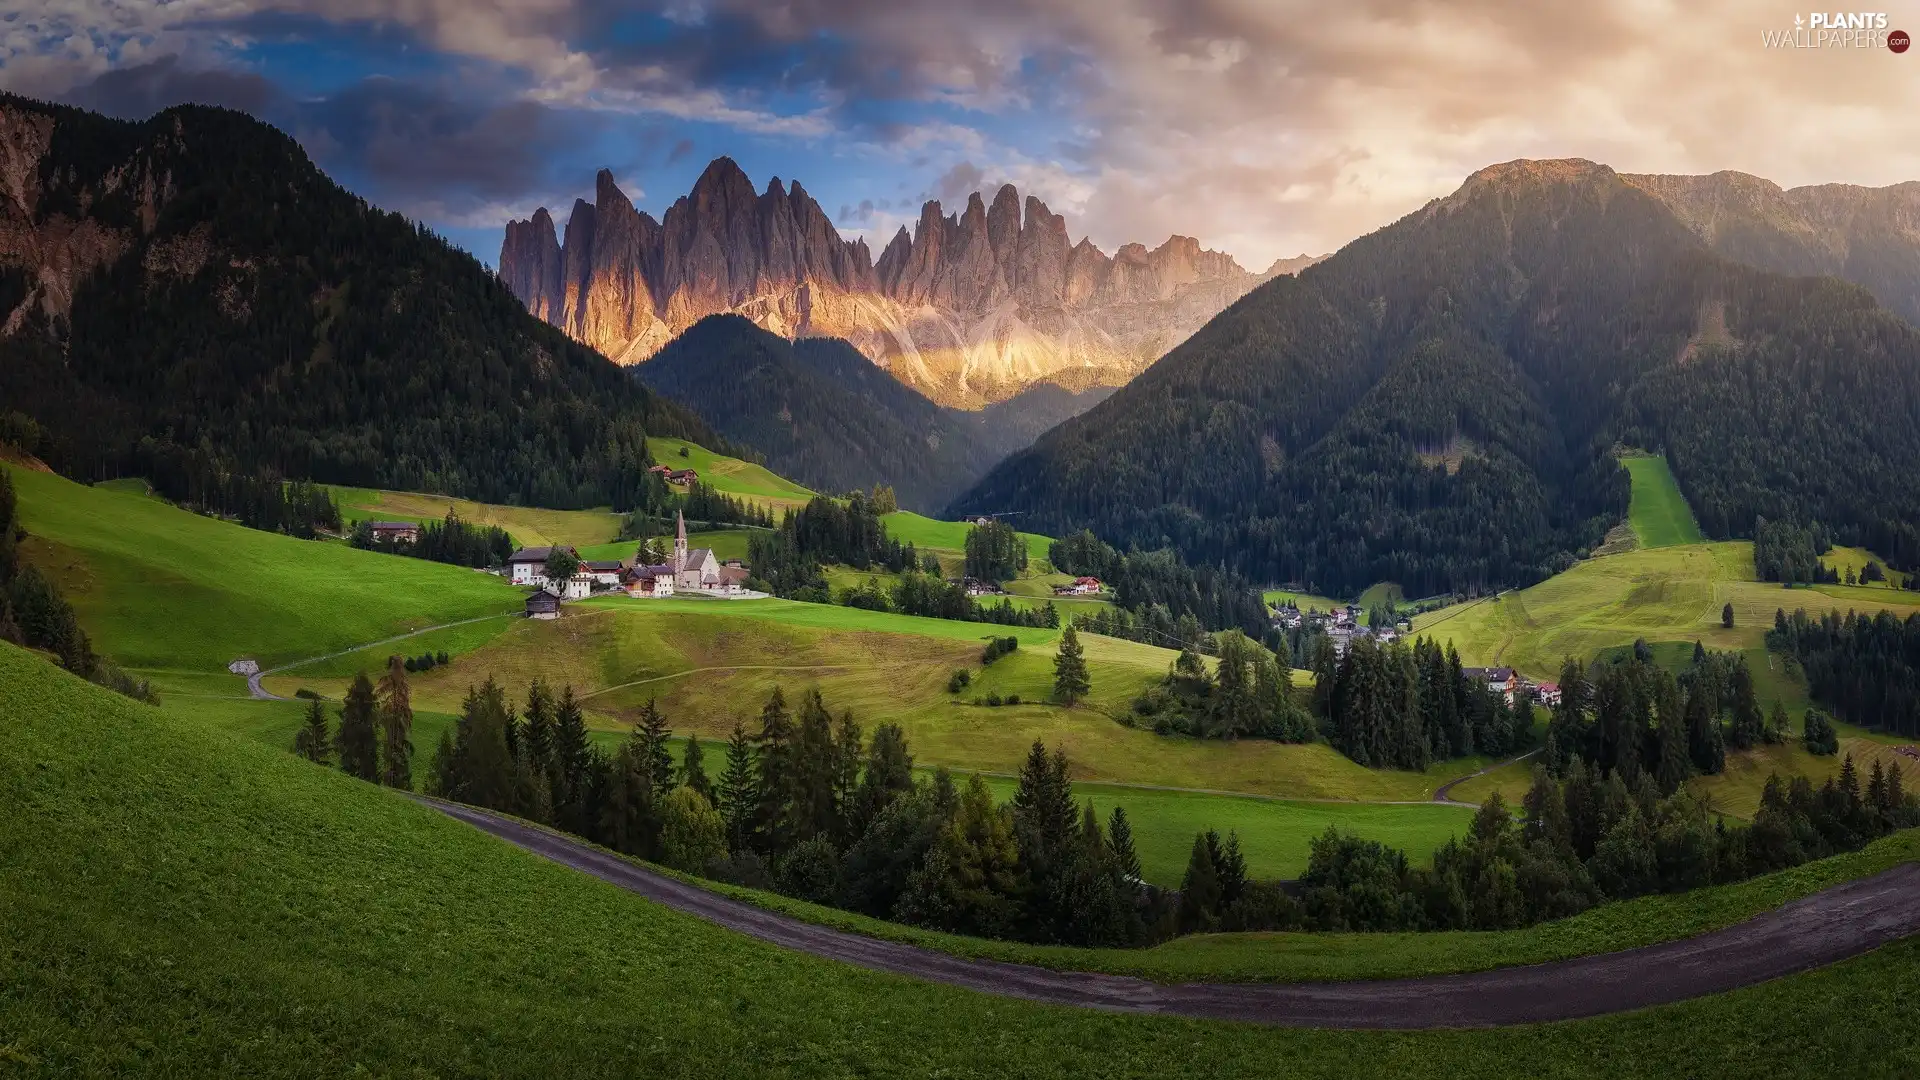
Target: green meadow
179	901
929	534
160	589
1657	510
530	526
742	479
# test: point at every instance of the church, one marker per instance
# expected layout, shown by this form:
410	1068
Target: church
696	569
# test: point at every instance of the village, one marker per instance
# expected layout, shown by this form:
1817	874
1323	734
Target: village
1343	626
687	571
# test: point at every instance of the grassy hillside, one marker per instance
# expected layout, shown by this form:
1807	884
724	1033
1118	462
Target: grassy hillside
162	589
925	532
530	526
709	662
741	479
1658	512
172	905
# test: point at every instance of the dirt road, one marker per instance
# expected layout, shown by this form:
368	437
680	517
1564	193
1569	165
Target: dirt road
1841	922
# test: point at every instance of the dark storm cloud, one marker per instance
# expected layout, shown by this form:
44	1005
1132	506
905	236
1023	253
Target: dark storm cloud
139	91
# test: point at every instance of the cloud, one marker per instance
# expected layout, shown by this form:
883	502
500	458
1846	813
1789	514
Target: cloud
139	91
1263	128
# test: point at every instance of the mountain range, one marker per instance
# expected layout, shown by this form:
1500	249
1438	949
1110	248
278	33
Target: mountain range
188	298
820	412
1440	402
969	309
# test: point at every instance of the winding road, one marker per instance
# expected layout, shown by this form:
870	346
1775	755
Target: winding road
1843	921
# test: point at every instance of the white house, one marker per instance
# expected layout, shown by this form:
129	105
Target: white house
577	587
528	566
605	575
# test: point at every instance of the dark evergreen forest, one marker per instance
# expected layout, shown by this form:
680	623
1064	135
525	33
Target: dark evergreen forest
263	320
1439	403
1866	668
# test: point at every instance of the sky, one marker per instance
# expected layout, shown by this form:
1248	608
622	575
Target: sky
1266	128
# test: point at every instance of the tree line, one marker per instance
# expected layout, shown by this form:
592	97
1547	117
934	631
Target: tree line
450	540
374	739
200	480
932	596
1145	583
1581	840
1629	715
788	560
1865	668
1247	694
1401	707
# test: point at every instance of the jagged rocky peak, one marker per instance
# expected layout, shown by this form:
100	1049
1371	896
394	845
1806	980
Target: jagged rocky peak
969	307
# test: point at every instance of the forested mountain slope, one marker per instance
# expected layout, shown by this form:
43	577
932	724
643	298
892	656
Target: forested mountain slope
824	414
189	294
1438	403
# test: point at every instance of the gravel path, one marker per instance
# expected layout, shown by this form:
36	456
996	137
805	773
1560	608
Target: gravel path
1843	921
261	692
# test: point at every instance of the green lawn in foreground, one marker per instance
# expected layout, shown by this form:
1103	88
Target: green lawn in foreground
177	902
1658	512
158	587
531	526
740	478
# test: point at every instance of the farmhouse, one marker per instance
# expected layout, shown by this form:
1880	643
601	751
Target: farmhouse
528	566
1081	586
654	580
1547	694
395	532
1499	680
543	605
605	574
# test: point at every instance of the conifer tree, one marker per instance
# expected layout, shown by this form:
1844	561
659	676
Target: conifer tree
738	791
692	833
816	773
357	742
1120	842
396	724
1726	615
312	741
846	774
1200	888
537	731
483	767
1778	726
573	767
1070	681
655	755
693	770
776	781
1821	740
887	776
1231	867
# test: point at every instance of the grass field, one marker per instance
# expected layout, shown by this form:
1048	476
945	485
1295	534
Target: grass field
1303	601
530	526
179	902
1657	511
162	589
741	479
710	662
927	533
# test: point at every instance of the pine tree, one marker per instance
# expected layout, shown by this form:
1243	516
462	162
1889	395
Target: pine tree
887	776
396	722
1120	842
777	781
816	772
1070	681
693	770
312	741
357	742
1778	726
537	731
484	767
573	767
1726	615
1044	818
738	792
1232	869
846	775
655	753
1200	889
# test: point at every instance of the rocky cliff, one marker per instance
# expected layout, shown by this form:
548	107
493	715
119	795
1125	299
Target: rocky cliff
969	308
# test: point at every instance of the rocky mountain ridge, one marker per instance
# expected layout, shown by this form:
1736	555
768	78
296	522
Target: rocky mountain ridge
968	309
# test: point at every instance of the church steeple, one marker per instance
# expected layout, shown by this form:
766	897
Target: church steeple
679	542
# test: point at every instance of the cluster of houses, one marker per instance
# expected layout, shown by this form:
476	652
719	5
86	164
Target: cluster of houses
676	476
1512	685
695	571
1080	586
1342	627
